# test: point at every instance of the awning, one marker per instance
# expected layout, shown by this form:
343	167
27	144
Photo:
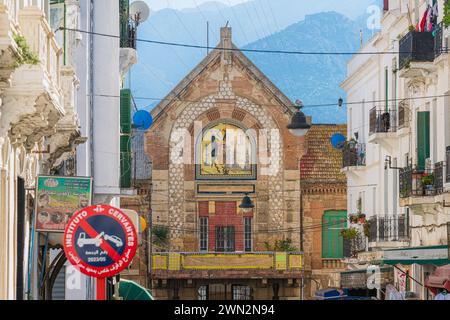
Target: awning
434	255
439	279
130	290
358	279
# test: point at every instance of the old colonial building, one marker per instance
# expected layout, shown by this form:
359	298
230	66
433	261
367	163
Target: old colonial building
219	135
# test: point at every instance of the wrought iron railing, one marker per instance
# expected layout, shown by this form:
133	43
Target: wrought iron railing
416	47
440	42
388	228
354	155
421	182
382	120
355	245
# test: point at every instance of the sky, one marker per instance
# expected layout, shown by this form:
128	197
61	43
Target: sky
156	5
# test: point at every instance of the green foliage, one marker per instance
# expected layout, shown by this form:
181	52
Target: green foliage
367	228
428	179
350	233
26	56
160	236
281	246
446	17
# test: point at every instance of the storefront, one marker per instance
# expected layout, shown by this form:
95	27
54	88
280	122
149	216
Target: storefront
419	271
367	282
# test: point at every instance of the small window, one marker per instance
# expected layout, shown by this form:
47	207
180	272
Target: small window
225	241
248	234
203	234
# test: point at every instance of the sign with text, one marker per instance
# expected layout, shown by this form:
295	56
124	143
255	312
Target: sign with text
58	198
100	240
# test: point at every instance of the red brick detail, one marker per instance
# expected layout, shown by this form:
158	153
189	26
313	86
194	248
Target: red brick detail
203	209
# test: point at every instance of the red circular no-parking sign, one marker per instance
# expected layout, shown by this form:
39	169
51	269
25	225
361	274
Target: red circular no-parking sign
100	240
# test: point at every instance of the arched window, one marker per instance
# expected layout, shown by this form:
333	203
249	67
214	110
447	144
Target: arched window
226	151
333	222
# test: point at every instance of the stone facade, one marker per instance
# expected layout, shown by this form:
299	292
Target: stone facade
225	88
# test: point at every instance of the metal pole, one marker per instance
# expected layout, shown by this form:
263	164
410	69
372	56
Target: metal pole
150	237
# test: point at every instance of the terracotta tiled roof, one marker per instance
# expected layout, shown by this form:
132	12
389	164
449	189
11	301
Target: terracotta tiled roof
321	162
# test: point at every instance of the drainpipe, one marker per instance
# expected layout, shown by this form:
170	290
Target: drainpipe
91	87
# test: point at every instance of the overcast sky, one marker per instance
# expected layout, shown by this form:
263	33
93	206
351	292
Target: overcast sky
181	4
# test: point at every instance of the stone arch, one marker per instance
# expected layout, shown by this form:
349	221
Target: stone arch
176	170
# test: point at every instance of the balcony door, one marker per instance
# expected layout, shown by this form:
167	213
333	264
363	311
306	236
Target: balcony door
423	138
225	239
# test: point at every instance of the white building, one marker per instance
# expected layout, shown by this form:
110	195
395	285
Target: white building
59	113
402	126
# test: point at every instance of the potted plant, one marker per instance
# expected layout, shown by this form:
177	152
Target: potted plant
353	218
427	181
361	218
350	233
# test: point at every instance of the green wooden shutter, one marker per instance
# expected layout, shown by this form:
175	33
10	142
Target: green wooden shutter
332	242
125	161
125	111
423	138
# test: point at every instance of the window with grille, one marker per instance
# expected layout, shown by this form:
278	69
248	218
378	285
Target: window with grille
203	293
248	234
203	234
225	239
242	292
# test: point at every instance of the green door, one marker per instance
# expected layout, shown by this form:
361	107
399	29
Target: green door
423	138
332	241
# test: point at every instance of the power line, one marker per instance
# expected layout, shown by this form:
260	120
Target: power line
185	45
275	105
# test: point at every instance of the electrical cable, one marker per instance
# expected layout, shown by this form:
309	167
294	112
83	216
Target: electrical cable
185	45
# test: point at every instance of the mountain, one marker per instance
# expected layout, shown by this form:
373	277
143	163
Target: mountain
315	78
161	67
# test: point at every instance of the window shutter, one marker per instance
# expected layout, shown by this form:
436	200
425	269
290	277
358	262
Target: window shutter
423	138
125	111
125	161
332	241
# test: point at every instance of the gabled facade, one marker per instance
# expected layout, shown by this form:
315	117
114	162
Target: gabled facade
219	135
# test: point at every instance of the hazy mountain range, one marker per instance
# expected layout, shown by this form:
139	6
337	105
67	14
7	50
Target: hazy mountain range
260	24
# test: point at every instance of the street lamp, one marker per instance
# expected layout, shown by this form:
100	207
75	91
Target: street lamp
299	126
246	204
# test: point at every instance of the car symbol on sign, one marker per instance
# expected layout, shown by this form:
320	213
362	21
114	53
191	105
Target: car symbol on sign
97	241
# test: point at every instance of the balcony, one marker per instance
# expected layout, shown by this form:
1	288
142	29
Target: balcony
388	231
353	246
382	125
440	41
353	156
416	47
35	86
227	265
419	186
8	47
128	39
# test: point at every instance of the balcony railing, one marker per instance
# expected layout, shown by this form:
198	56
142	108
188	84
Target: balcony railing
416	47
127	27
354	155
193	261
382	121
440	41
353	246
388	228
421	182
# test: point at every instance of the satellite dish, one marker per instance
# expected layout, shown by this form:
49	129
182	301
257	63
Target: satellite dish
142	120
338	140
139	11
